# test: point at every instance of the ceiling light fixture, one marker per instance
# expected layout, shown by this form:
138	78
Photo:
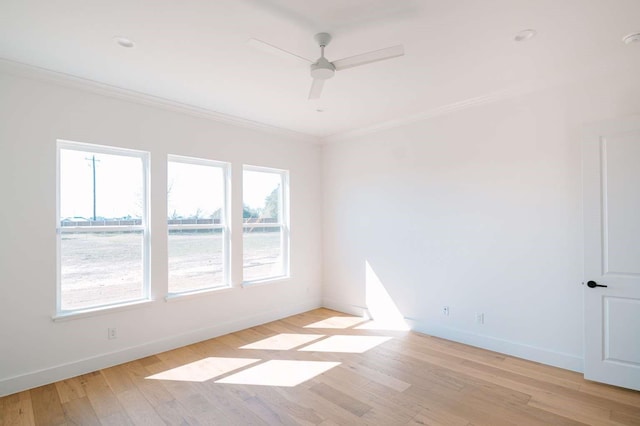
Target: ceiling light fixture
631	38
124	42
525	35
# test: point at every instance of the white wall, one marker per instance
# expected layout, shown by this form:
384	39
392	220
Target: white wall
34	113
478	210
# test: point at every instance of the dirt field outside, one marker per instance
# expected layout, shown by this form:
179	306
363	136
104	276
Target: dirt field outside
108	266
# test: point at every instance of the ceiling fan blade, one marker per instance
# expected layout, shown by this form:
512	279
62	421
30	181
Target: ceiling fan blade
369	57
270	48
316	89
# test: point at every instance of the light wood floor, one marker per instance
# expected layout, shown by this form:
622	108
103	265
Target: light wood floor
326	368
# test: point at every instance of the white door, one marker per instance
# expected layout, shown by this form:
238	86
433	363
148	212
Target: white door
611	176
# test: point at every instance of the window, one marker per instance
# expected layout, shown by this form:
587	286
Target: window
103	236
197	194
265	224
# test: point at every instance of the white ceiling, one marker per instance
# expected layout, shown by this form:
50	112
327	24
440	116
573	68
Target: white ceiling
195	51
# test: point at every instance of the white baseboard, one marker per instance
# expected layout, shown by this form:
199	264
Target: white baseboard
507	347
336	305
33	379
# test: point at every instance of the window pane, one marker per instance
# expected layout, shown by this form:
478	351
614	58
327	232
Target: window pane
196	259
265	235
194	191
262	196
113	183
100	268
104	192
195	204
262	253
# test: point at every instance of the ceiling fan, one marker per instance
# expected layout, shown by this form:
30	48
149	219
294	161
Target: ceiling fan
322	69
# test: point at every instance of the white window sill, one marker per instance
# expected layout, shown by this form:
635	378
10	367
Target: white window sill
173	297
274	280
101	310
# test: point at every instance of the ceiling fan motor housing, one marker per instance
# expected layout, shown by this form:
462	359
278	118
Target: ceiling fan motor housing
323	39
322	69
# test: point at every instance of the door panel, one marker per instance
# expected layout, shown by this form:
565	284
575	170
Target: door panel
621	327
621	203
611	177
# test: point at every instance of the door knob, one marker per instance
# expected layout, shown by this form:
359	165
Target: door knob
593	284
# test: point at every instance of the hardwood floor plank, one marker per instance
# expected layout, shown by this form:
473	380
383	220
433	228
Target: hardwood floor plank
381	416
570	395
437	418
156	393
47	409
579	412
173	413
17	410
382	399
231	404
297	412
327	410
624	418
269	414
117	379
150	360
379	377
70	389
329	423
104	401
79	411
341	399
469	406
191	401
566	378
524	383
138	408
492	359
403	378
612	393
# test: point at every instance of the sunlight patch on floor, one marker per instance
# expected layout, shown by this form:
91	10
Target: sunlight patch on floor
279	373
337	322
283	342
346	344
382	308
204	369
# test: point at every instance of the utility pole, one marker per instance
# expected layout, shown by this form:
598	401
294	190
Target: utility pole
93	169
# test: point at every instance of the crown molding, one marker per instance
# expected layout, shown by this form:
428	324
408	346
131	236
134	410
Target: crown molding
435	112
20	69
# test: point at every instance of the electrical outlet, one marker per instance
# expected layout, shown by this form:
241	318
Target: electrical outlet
111	333
445	311
479	318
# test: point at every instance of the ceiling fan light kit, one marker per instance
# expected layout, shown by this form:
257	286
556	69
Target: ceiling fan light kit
323	69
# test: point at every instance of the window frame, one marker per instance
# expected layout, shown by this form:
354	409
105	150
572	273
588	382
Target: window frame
144	226
225	224
283	224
